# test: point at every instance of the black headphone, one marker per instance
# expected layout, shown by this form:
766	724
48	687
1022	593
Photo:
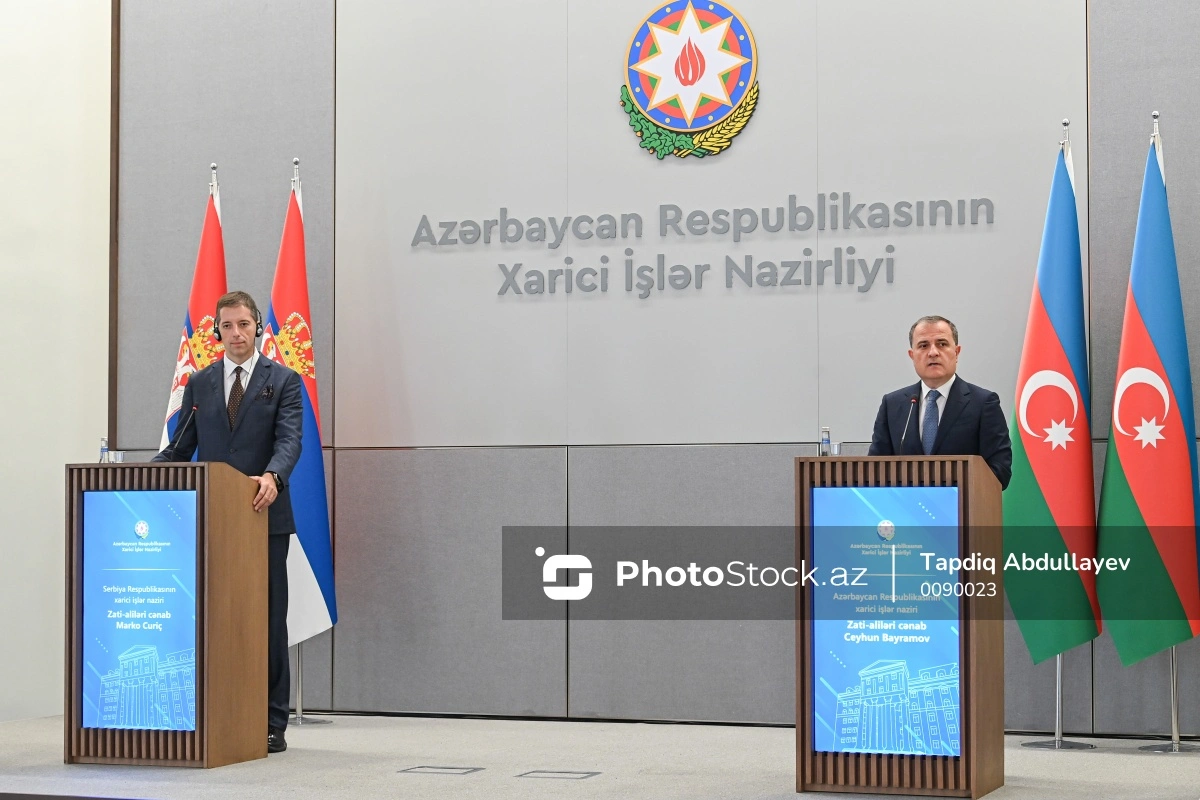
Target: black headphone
258	330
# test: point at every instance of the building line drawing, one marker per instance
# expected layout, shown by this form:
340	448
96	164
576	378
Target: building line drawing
149	692
892	712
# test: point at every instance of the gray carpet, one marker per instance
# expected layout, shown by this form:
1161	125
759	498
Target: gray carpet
362	757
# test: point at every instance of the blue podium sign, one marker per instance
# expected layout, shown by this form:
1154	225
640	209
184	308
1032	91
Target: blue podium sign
139	610
885	647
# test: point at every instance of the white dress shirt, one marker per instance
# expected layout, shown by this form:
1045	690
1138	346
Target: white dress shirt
943	390
247	370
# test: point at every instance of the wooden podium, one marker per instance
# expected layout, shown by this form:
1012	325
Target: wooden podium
980	767
230	612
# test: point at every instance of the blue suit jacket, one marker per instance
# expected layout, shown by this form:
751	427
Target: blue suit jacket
972	425
265	436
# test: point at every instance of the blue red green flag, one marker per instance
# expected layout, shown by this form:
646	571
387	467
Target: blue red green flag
1050	507
1148	497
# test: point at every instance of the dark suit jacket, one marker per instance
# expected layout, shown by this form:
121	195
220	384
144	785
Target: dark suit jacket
265	436
972	425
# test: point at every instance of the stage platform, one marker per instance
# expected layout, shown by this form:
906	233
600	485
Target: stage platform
359	757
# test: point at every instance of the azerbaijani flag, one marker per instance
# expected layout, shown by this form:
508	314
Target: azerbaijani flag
1149	493
1049	507
287	339
197	347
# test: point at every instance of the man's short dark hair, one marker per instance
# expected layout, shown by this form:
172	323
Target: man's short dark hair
242	299
933	319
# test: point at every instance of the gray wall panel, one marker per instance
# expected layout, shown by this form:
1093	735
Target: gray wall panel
1189	679
318	672
1137	699
729	671
249	86
682	670
688	485
485	130
1140	62
418	574
1029	687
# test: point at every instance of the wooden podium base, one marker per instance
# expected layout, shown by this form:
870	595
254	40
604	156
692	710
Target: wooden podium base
980	767
230	612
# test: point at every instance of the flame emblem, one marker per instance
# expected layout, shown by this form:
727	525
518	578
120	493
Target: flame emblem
689	67
690	84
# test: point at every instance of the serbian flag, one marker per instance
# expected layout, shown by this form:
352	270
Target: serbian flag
287	339
1148	496
197	347
1050	504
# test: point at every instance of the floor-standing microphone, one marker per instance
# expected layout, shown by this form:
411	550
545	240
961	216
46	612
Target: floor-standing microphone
912	403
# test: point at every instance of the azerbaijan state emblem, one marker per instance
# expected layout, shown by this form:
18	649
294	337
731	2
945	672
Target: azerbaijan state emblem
689	79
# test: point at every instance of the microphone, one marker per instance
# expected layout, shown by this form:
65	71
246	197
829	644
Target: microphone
174	443
912	403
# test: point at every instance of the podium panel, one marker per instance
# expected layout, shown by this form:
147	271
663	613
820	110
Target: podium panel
139	610
927	714
166	603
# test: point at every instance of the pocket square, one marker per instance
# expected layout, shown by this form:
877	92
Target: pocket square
267	392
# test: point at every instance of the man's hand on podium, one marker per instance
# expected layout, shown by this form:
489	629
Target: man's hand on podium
267	491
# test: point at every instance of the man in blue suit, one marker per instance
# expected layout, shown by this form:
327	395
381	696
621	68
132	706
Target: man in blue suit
942	414
246	411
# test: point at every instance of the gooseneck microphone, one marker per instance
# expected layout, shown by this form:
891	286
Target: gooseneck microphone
912	403
174	443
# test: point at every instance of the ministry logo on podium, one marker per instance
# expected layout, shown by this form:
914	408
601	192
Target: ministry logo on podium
689	86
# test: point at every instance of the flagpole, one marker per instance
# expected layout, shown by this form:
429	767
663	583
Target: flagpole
299	718
212	185
1173	746
1156	142
1058	742
296	183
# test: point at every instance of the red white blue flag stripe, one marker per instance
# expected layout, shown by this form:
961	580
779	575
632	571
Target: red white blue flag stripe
288	340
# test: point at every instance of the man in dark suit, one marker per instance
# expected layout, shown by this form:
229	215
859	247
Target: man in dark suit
246	411
942	414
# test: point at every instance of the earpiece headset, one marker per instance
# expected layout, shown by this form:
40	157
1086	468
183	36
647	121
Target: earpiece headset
258	330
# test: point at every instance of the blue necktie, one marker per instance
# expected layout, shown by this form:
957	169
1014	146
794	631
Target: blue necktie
930	424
